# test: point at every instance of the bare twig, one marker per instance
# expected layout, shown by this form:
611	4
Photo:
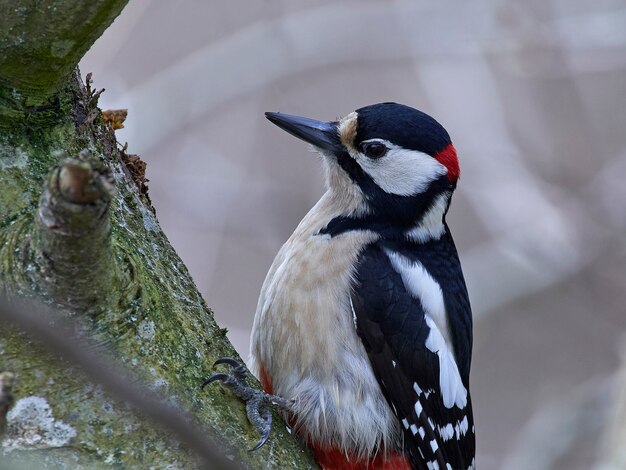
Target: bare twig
35	320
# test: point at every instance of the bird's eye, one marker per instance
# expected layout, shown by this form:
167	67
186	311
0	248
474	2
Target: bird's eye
373	149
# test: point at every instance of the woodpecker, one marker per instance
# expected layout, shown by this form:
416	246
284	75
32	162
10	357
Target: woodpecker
363	329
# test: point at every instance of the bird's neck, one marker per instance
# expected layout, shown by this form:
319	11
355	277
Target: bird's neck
419	219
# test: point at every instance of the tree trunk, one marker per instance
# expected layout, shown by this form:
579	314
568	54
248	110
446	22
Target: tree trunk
77	231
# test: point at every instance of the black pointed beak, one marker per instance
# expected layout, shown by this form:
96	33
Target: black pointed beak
323	135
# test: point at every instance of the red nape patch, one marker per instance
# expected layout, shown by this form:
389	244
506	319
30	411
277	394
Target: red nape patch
265	380
447	157
334	459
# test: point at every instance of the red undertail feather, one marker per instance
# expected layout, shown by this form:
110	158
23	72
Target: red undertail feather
447	157
265	380
334	459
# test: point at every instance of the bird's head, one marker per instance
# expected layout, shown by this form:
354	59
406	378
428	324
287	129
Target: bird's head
387	160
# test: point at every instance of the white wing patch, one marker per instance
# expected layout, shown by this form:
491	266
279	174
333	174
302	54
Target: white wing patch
453	391
433	465
434	446
462	427
446	432
420	284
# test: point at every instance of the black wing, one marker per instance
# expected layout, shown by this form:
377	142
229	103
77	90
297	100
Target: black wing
393	327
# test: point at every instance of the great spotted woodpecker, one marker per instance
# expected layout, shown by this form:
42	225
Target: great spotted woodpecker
363	330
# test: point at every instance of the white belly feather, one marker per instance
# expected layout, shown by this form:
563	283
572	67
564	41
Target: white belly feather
304	337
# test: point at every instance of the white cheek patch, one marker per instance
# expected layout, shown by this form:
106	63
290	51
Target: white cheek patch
401	171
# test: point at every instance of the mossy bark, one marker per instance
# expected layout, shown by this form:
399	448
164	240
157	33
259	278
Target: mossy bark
40	43
143	305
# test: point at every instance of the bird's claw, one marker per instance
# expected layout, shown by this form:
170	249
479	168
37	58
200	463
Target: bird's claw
260	416
221	377
239	373
262	441
257	401
238	367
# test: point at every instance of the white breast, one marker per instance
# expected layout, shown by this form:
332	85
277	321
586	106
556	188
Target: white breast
304	337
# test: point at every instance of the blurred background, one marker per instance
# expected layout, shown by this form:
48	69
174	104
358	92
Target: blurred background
533	94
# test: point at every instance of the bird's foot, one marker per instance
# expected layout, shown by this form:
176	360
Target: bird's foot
258	402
